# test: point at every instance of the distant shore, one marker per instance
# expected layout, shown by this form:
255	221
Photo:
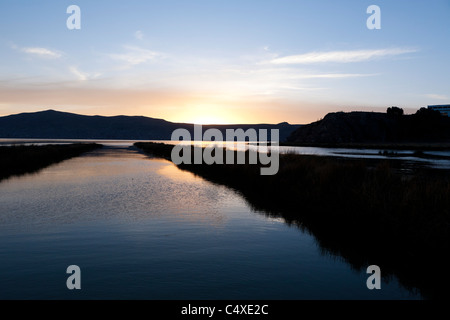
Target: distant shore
413	146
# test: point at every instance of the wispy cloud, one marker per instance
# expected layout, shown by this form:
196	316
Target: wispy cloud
336	75
341	56
42	52
301	88
139	35
437	96
135	55
83	76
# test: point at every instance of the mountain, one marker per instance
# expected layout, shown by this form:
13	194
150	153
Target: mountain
51	124
374	128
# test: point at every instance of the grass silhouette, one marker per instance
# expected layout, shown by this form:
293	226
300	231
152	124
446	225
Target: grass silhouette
22	159
365	211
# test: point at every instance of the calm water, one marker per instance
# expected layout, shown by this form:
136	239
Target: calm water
140	228
407	156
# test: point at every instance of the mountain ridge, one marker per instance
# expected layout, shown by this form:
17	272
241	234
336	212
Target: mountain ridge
53	124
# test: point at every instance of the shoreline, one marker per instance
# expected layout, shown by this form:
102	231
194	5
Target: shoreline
362	211
413	146
22	159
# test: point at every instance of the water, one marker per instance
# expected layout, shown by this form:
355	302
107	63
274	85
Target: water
140	228
405	156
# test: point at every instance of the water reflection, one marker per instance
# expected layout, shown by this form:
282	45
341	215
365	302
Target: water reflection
421	275
120	190
142	229
408	158
172	172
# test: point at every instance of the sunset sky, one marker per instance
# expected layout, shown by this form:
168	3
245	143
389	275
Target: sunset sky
223	61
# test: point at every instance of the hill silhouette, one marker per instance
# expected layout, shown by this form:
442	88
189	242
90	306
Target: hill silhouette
426	126
51	124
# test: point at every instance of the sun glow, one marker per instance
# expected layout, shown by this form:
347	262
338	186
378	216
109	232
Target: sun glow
208	120
208	114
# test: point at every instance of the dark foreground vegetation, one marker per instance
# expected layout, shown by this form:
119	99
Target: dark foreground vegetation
363	211
16	160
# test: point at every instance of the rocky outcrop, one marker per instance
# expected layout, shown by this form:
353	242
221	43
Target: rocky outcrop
373	127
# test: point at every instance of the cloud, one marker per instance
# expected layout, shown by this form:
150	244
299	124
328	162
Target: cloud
135	55
42	52
139	35
437	96
336	75
340	56
300	88
82	76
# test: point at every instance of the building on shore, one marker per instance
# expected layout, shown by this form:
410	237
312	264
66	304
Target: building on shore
444	109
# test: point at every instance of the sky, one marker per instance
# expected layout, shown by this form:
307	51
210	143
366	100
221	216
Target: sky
215	61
